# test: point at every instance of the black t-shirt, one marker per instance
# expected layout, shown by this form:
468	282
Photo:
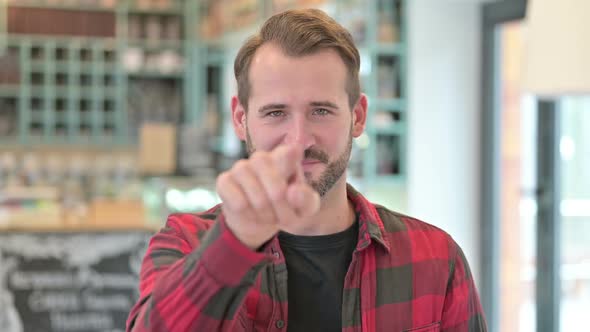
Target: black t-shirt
317	266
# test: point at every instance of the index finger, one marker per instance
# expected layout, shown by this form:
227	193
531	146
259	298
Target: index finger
287	159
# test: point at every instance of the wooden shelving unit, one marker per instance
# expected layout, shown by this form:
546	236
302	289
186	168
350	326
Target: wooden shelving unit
72	82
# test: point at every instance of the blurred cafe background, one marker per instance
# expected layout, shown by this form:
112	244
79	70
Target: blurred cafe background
115	114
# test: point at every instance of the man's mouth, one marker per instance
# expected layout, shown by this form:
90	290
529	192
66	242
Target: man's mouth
310	162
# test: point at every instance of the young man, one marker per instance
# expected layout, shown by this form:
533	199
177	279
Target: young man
293	247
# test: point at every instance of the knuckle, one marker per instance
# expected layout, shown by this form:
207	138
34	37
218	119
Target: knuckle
240	165
260	202
261	159
238	204
241	168
222	181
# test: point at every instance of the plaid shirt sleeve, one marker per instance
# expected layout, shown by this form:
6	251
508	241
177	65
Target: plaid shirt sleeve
194	277
462	311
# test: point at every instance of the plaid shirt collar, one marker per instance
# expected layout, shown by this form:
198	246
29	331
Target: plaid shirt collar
371	227
370	224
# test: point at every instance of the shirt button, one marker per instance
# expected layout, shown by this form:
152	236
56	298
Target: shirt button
277	255
280	324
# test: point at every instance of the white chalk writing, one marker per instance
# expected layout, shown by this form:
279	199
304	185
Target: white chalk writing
41	280
93	301
51	301
81	321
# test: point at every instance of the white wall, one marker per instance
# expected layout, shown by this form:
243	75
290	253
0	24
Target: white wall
444	103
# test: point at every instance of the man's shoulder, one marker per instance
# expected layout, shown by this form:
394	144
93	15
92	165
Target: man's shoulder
397	225
192	224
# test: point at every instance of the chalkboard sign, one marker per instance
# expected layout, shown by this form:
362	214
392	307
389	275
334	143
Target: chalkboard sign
69	281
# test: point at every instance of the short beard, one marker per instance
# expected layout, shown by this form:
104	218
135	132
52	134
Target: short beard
333	172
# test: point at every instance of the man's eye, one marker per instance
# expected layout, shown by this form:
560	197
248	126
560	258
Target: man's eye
321	111
274	114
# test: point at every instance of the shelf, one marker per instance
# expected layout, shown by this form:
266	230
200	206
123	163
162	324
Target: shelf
236	37
389	104
381	181
9	91
62	117
68	142
83	78
392	180
20	40
215	58
83	67
37	116
397	49
376	49
42	5
155	74
390	130
156	44
71	144
87	117
92	69
173	10
84	92
142	226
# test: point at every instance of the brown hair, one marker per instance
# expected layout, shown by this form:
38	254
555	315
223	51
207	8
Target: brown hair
300	32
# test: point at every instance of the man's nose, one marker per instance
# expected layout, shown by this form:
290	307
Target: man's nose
300	133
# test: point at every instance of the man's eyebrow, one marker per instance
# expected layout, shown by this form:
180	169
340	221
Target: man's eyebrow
323	104
269	107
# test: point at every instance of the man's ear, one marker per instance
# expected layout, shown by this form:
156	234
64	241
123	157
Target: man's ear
238	116
359	116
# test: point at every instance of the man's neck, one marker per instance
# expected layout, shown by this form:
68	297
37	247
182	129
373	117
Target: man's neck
336	213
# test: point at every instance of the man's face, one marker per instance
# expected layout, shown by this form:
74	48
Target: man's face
303	101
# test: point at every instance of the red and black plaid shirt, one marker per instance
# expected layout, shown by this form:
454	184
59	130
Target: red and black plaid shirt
404	275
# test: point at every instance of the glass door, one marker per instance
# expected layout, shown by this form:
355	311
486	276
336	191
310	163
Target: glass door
574	149
535	191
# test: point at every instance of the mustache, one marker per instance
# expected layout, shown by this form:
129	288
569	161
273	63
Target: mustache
318	155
